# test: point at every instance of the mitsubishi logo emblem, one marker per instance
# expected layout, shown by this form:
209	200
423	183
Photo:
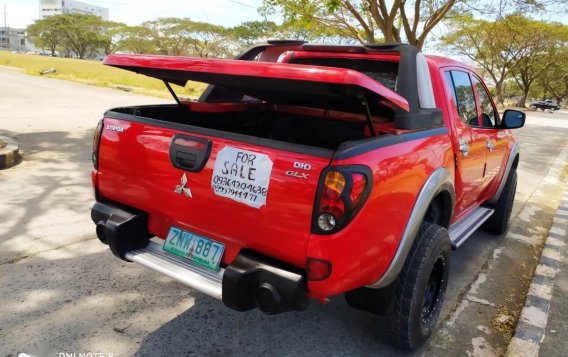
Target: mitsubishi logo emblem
181	189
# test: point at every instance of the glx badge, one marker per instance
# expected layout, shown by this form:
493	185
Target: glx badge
181	189
296	174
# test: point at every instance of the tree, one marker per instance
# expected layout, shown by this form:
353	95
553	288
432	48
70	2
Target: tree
363	19
46	34
182	36
490	45
396	20
207	40
554	81
542	45
168	36
111	36
250	32
137	39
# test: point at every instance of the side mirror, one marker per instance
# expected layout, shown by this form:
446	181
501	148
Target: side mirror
513	119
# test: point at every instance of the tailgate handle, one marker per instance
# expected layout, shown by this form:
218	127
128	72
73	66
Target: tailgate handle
189	153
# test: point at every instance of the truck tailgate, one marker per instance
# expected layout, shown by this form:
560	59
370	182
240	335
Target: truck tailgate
246	196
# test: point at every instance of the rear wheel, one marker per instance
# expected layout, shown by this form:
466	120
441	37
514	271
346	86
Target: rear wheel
421	288
498	223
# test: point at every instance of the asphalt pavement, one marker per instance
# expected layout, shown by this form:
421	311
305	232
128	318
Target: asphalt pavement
63	289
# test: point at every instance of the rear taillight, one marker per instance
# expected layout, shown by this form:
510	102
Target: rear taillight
341	193
96	141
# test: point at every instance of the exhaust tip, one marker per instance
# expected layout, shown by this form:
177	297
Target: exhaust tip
100	229
268	299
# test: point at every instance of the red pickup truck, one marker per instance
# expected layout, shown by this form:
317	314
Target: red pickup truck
307	171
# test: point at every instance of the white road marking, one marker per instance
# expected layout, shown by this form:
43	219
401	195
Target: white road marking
552	254
481	278
518	347
534	241
479	301
545	270
555	242
542	291
484	329
534	316
462	306
528	212
557	230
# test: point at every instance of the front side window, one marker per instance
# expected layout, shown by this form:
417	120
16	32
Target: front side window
488	113
465	97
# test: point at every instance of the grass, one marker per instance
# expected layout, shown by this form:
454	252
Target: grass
96	74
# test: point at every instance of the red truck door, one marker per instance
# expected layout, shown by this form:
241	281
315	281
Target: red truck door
469	143
496	140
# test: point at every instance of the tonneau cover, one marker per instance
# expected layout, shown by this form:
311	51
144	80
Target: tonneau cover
279	83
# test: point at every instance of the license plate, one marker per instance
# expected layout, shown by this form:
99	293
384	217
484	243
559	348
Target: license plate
200	250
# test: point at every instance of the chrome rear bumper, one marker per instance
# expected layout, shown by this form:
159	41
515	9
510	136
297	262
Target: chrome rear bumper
154	257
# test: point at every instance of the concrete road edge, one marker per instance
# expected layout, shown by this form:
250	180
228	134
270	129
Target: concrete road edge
9	153
530	330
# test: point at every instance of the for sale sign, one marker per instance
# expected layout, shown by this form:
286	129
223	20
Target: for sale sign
242	175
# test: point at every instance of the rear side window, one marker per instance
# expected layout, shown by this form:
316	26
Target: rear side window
384	72
464	96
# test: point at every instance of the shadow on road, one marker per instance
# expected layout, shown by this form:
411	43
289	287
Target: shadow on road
53	176
209	328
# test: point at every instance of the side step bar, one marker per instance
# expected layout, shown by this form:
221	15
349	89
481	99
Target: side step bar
462	230
194	276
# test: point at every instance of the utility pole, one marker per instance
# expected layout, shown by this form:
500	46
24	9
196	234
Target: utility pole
5	22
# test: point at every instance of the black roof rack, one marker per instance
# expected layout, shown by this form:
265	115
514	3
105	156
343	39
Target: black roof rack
286	42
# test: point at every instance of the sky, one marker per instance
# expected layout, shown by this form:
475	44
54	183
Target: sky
21	13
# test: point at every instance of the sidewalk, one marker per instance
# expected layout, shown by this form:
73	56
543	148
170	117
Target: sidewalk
556	334
542	329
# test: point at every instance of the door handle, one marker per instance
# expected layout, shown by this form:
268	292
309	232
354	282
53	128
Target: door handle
189	153
490	145
464	147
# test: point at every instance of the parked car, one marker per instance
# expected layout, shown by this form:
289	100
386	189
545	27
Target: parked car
545	105
308	171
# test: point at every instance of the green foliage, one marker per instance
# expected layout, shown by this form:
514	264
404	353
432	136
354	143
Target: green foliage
83	35
250	32
525	50
182	36
136	39
393	20
46	34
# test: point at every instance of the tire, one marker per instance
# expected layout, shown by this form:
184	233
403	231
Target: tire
421	289
498	223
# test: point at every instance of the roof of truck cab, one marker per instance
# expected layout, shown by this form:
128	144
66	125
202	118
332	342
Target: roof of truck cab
441	61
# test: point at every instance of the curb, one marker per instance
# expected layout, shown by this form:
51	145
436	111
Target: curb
531	326
9	153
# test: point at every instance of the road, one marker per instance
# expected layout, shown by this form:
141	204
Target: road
62	288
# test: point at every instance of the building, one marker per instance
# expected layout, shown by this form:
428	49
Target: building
57	7
12	39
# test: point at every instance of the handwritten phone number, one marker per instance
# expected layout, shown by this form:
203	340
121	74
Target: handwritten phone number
227	191
236	185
